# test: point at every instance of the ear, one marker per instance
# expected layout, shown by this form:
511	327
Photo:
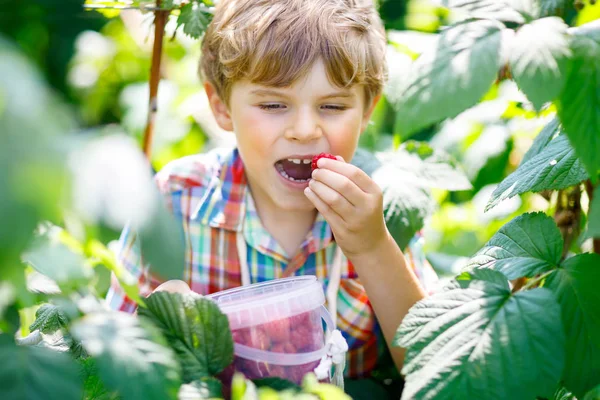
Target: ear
368	113
218	107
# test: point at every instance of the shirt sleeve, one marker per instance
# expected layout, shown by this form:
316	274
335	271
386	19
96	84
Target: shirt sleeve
127	252
415	258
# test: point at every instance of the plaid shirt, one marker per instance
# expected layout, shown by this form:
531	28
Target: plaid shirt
208	193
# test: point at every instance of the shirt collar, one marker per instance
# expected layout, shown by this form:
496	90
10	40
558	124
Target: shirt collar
229	205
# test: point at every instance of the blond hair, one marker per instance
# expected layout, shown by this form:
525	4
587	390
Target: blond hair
275	42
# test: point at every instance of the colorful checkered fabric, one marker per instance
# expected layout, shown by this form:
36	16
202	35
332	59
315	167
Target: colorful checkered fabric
208	193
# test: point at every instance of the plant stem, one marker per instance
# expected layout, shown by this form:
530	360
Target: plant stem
160	20
536	280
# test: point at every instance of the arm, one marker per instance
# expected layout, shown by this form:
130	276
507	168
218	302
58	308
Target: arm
352	204
392	288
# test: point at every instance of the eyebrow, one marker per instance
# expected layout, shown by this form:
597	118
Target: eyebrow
270	92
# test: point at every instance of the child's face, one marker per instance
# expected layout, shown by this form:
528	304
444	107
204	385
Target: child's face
279	130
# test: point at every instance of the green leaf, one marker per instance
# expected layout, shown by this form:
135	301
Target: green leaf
405	177
594	215
485	9
127	352
7	297
526	246
37	373
194	19
575	285
538	59
162	232
450	78
418	163
405	208
465	342
207	388
593	394
276	383
484	274
195	328
579	103
556	167
548	132
551	7
93	386
563	394
32	166
49	319
50	257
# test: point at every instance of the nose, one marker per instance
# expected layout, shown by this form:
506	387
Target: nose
306	126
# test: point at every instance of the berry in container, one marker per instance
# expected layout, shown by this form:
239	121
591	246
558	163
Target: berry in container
277	327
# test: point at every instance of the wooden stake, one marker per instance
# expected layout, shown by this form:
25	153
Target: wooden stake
160	20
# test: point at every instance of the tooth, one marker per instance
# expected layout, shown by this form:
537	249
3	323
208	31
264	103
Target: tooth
306	161
294	160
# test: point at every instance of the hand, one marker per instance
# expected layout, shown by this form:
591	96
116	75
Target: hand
352	204
173	286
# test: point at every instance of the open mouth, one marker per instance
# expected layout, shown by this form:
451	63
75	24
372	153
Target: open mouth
294	169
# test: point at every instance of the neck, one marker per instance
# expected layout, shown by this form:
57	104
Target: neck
289	228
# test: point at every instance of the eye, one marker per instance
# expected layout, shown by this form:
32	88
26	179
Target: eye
271	106
334	107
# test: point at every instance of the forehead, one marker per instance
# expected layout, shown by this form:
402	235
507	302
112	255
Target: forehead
315	83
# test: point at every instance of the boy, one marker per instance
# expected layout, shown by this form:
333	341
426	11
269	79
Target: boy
291	79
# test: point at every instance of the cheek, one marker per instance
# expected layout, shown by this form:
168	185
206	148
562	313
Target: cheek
344	136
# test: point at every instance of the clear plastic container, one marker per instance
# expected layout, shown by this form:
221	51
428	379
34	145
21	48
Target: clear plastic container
277	327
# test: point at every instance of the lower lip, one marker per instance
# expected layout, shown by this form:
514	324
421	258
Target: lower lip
291	184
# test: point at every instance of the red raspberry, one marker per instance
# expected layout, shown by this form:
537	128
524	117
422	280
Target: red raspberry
319	156
301	338
300	319
278	330
241	336
259	339
287	348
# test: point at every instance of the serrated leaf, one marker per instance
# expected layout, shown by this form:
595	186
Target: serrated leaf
539	58
594	215
194	19
195	328
542	140
579	103
405	208
420	164
93	386
575	285
485	9
207	388
484	274
49	318
465	342
405	177
52	258
125	352
37	373
451	77
556	167
526	246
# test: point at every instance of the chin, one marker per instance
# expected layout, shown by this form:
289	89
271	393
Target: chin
294	203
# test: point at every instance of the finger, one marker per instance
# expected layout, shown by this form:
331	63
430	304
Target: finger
332	198
331	216
340	184
352	172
